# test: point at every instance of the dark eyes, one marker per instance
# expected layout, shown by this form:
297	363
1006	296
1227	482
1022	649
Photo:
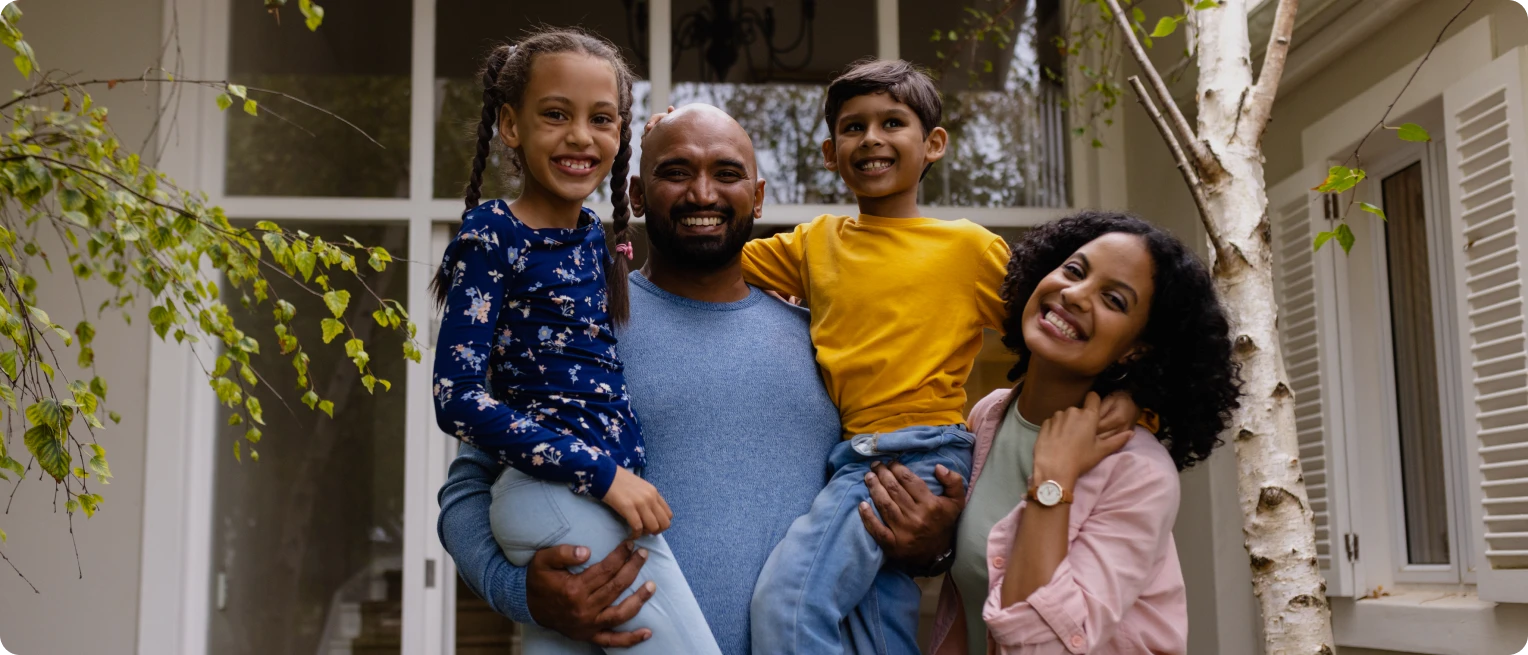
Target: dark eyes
1074	271
856	127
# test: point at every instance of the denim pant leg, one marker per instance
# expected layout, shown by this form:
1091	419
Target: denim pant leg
529	514
827	563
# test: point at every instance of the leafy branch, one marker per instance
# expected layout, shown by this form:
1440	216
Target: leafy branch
73	195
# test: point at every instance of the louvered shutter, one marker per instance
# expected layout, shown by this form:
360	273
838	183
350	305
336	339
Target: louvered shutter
1308	287
1488	197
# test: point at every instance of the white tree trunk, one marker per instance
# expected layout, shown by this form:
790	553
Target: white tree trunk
1279	527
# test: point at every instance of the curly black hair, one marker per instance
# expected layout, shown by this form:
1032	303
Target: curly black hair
1185	374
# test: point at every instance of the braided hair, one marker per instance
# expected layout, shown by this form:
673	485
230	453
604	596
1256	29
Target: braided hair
505	74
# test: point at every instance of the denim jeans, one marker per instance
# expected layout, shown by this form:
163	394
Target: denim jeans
528	514
827	563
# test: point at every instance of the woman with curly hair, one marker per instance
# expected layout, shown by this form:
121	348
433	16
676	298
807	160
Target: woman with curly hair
1065	545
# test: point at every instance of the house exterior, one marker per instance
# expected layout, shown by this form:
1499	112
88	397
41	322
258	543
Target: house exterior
1407	356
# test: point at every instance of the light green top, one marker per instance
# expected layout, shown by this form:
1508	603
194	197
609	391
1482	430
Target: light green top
1003	485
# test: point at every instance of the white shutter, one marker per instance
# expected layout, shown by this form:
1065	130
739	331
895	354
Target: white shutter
1308	285
1488	200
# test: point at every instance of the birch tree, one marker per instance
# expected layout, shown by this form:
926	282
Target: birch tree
1221	161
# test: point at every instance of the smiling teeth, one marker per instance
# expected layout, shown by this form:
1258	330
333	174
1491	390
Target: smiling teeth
1066	328
876	165
700	221
577	164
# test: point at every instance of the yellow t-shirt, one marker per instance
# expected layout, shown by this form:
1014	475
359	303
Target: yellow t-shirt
898	306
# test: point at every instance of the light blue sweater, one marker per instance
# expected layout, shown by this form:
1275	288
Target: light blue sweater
738	429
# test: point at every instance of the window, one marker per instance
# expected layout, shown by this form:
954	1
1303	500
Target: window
1417	406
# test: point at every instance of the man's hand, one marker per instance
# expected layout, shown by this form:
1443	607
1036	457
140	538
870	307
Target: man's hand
578	605
919	526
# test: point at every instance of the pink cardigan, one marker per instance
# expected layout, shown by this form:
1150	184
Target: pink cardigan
1119	590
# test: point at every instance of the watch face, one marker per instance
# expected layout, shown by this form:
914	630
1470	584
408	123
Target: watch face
1049	493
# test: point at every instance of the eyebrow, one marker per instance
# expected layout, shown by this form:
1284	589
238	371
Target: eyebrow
732	163
1135	298
567	101
672	161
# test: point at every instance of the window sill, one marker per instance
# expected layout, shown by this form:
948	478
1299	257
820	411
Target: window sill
1431	622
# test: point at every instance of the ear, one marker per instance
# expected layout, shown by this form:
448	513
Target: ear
758	200
1135	353
509	130
637	194
830	155
935	144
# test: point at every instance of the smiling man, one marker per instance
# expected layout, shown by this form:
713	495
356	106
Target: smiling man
736	420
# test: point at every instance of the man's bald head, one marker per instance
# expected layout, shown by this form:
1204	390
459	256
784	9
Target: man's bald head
693	127
699	188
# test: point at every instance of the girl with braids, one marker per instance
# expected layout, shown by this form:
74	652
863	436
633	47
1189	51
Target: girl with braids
526	366
1065	545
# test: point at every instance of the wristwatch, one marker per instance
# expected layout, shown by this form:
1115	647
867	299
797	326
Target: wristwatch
939	566
1049	493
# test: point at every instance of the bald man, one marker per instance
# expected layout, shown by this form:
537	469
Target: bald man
735	417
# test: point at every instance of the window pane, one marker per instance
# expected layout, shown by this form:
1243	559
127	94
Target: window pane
1416	375
356	65
1008	134
773	86
307	543
467	30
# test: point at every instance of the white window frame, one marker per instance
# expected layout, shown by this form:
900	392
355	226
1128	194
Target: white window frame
1432	158
174	601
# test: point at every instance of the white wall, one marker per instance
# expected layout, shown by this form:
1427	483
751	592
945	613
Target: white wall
96	613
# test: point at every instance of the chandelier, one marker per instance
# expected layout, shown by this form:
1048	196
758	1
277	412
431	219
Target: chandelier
726	30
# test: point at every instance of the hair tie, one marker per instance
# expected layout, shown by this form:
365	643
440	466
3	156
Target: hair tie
624	248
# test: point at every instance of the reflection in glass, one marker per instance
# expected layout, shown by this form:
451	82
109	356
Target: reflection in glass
466	31
1005	115
357	66
307	542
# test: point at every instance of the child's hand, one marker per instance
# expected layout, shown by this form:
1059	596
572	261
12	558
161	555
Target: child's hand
1118	412
637	501
1071	443
654	120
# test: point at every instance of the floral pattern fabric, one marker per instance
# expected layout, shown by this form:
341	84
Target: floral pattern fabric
525	363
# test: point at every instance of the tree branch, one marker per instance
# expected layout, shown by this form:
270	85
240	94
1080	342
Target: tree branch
1261	107
1207	164
1409	80
1195	186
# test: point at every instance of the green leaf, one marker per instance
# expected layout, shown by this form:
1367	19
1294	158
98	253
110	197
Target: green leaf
252	435
8	363
45	445
1340	179
115	417
1165	27
369	382
239	90
1372	210
1206	4
238	451
1414	133
332	329
1137	14
24	65
337	301
1345	237
98	463
411	351
224	101
313	13
1322	238
310	399
251	107
98	386
326	407
46	412
253	405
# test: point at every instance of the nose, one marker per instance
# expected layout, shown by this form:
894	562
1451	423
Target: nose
1075	297
873	137
579	135
702	191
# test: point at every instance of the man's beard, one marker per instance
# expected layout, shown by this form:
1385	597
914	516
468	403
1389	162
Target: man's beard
699	253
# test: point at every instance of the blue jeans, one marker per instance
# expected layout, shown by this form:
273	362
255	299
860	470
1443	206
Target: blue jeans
528	514
827	563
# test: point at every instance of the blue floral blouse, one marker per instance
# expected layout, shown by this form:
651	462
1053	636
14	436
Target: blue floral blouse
525	364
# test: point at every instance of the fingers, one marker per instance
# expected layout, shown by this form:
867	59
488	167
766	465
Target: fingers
633	518
601	573
873	525
893	486
954	485
881	497
654	120
1091	402
1112	443
562	557
621	639
915	488
611	589
649	519
616	615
